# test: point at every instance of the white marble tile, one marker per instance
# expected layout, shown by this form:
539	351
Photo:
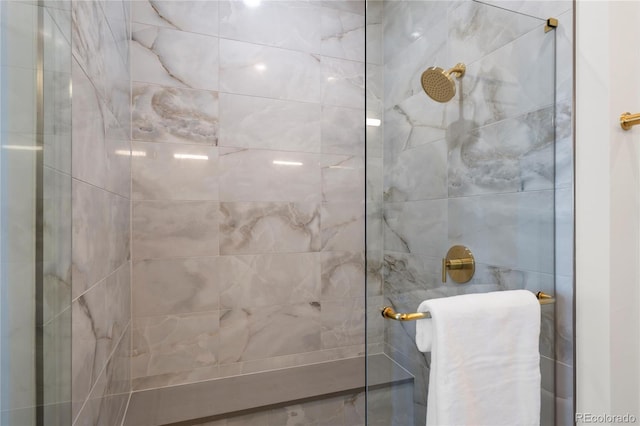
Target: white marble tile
417	174
57	120
56	42
342	178
169	114
375	91
292	176
476	29
289	24
165	229
418	227
374	179
510	230
247	228
542	9
509	156
174	172
343	34
189	16
343	131
251	69
342	275
343	322
174	58
353	6
256	333
261	123
342	83
175	343
374	44
175	286
100	144
269	279
342	226
101	223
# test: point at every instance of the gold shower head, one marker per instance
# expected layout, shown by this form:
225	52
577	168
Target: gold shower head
438	83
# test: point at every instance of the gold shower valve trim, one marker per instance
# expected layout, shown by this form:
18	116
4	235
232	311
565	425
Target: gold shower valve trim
459	263
628	120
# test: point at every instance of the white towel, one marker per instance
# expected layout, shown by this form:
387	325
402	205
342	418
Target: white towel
485	360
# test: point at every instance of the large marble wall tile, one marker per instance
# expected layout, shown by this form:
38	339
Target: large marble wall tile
517	78
190	16
261	123
57	120
343	34
118	20
162	171
417	174
269	279
249	334
353	6
509	156
374	184
56	368
343	322
175	286
252	69
257	175
497	28
100	149
100	244
418	227
374	32
175	343
99	320
269	227
343	131
174	58
342	178
511	230
288	24
342	83
541	9
342	226
164	229
342	275
169	114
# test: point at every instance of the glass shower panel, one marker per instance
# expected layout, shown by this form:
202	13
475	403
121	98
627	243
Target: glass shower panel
35	213
477	170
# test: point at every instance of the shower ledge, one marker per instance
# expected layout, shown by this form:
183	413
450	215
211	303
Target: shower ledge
211	400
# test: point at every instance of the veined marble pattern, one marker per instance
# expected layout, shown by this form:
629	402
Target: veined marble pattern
476	29
251	69
255	333
342	226
343	322
417	174
57	365
269	227
100	149
174	58
100	234
342	178
57	121
510	230
342	34
99	319
353	6
175	286
175	343
261	123
162	171
165	229
169	114
288	24
342	275
342	83
375	90
540	9
511	155
418	227
268	279
292	176
190	16
374	186
343	131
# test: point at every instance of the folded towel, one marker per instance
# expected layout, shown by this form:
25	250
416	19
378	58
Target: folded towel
485	360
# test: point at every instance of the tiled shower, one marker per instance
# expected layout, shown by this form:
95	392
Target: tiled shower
223	222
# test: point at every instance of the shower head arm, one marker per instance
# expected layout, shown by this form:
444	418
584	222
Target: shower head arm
458	70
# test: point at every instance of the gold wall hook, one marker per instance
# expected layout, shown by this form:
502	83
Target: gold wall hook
552	24
459	263
628	120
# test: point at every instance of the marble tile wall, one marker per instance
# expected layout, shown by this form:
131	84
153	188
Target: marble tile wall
101	169
491	169
247	187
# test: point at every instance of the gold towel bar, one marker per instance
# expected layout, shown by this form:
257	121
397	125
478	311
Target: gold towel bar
389	313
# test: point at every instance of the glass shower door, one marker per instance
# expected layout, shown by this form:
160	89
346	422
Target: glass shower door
477	170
